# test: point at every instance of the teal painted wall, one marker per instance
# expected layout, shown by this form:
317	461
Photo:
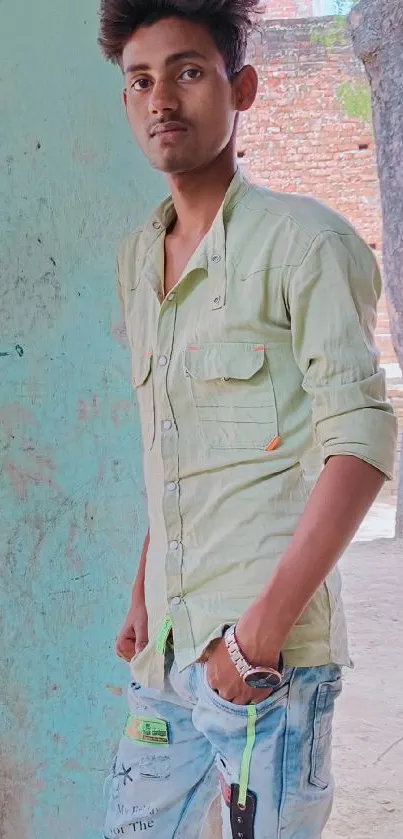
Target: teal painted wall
72	507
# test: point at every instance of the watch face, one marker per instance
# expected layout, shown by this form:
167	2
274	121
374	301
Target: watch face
263	680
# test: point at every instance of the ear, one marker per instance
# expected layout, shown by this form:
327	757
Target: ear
245	88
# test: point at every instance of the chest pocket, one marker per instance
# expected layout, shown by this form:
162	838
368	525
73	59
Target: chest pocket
233	394
143	383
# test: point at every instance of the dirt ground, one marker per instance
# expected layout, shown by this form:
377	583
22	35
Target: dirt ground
368	737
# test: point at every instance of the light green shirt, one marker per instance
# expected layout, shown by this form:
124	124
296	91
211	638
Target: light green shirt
258	366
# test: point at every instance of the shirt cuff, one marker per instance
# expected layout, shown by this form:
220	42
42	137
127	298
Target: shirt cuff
368	434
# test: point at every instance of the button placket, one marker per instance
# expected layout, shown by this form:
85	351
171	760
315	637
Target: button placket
176	601
170	460
173	568
217	267
173	559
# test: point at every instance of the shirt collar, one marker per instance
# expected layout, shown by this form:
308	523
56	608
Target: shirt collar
211	253
164	215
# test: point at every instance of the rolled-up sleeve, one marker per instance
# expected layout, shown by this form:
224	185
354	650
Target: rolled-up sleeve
332	298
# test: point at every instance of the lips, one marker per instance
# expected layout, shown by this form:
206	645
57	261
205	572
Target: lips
168	128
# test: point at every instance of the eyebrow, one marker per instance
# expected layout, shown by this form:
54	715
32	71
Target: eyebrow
187	55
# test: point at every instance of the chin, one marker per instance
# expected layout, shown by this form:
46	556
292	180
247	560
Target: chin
174	166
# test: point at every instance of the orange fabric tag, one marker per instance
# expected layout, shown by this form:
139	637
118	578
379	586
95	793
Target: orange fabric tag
274	444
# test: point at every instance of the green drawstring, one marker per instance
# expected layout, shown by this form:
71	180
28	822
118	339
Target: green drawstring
247	756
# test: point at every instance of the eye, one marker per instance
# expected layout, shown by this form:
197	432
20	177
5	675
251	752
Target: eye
191	74
140	84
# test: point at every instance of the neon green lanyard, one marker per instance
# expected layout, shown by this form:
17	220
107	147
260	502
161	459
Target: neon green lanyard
247	755
251	725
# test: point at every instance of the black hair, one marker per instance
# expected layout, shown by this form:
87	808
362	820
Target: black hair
229	22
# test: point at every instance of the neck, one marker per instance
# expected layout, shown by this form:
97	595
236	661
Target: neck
198	195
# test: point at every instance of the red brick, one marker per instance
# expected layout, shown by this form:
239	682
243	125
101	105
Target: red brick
288	8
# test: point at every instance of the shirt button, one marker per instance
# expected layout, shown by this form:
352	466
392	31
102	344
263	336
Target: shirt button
174	546
216	258
176	601
162	361
172	486
171	296
167	425
157	225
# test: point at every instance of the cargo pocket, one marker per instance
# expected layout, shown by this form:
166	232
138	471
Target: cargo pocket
321	757
233	395
143	383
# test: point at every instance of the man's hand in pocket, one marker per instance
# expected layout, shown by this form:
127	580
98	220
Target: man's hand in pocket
224	679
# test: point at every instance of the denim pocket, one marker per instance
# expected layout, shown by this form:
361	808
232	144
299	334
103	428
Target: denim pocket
276	698
321	756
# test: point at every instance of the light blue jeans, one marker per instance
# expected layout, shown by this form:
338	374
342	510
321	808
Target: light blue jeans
184	744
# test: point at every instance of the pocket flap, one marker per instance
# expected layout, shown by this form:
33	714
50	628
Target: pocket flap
224	361
141	368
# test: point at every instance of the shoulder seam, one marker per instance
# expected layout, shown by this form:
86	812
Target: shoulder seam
288	215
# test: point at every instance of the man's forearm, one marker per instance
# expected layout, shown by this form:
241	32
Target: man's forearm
339	502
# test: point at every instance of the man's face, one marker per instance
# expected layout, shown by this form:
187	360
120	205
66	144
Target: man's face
179	101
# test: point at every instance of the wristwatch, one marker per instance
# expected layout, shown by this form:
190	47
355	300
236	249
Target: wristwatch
254	677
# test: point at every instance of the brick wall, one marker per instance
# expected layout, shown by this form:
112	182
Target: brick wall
288	8
298	137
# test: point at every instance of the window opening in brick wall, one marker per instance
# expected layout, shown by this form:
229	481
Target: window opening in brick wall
363	146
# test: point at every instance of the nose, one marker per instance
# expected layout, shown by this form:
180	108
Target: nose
163	98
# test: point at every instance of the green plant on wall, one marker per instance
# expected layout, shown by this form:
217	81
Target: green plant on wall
354	97
356	100
333	35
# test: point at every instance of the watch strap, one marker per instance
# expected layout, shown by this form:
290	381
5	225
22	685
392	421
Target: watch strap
244	667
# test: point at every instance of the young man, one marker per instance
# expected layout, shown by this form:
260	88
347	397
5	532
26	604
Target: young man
251	320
